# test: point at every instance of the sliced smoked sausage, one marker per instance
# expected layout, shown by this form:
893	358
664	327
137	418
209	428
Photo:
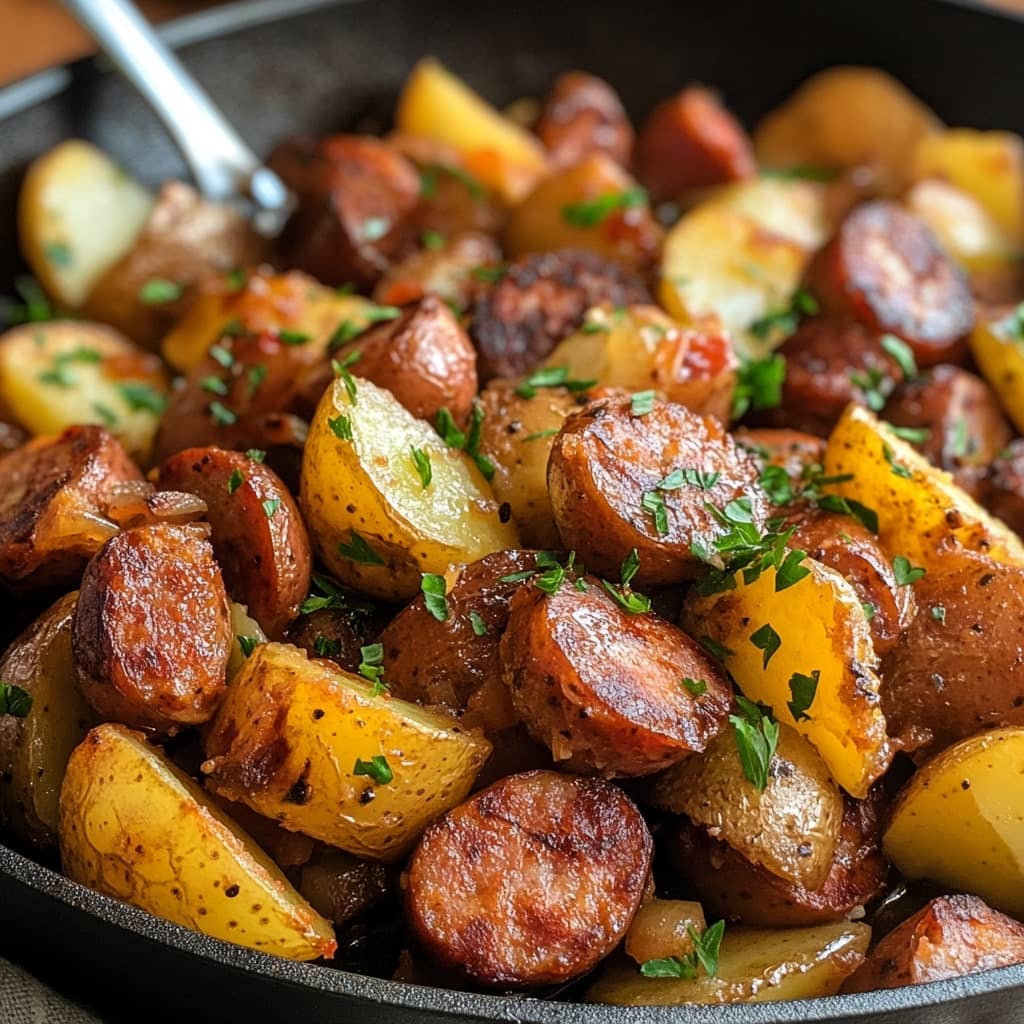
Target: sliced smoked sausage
603	688
607	461
885	268
152	629
1004	490
258	536
532	881
540	300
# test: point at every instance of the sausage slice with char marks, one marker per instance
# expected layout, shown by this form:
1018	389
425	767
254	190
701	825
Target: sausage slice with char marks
532	881
259	538
603	687
152	629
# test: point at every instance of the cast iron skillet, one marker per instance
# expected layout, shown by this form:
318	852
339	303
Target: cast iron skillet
282	66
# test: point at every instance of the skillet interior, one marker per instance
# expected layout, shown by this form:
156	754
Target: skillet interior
339	67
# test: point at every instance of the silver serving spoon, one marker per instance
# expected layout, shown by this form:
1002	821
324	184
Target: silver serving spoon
223	166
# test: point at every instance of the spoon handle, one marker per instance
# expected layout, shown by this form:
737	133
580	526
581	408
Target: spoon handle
222	164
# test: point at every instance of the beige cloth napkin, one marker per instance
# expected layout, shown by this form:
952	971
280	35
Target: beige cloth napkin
23	1000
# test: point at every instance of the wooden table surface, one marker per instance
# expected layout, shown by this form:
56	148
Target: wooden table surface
38	33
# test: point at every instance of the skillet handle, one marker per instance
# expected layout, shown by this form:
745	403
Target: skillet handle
222	164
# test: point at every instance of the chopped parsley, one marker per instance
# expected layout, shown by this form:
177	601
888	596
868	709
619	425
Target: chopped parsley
705	955
478	624
552	377
434	591
897	468
325	647
255	454
377	768
913	435
14	701
214	385
905	573
654	503
591	212
270	507
247	643
421	460
221	355
939	613
785	321
432	172
694	687
357	550
293	338
158	290
758	384
371	666
802	689
757	737
236	480
902	354
467	441
627	598
222	415
59	254
341	427
432	240
642	403
767	641
141	397
330	595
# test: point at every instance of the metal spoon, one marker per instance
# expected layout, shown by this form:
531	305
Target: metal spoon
223	166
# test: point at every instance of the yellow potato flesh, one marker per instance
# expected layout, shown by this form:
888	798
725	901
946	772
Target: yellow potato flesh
999	353
718	260
794	210
986	165
322	720
370	485
959	821
135	827
290	301
34	750
436	105
661	928
963	226
78	213
921	511
755	965
823	628
63	372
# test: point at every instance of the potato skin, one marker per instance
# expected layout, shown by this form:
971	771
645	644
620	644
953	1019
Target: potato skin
581	115
52	497
602	687
952	936
152	629
423	358
960	666
605	459
532	881
34	750
842	543
184	239
731	886
517	437
265	558
790	829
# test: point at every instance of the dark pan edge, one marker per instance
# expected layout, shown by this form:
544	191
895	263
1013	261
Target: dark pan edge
50	884
487	1007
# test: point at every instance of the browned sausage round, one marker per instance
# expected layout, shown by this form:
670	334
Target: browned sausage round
152	629
259	538
452	272
1004	490
356	196
731	886
583	115
691	141
885	268
423	358
532	881
603	688
791	450
830	363
962	415
842	543
53	495
234	405
606	460
540	300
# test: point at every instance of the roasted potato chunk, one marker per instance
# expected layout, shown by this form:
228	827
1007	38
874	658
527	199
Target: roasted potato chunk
313	747
593	204
845	118
790	828
184	239
606	461
823	635
516	436
34	750
53	495
152	629
375	518
78	214
661	928
134	826
922	515
968	796
436	105
639	348
66	372
952	936
996	346
755	965
343	887
258	537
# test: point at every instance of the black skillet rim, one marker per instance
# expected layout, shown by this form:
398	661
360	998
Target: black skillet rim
38	88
